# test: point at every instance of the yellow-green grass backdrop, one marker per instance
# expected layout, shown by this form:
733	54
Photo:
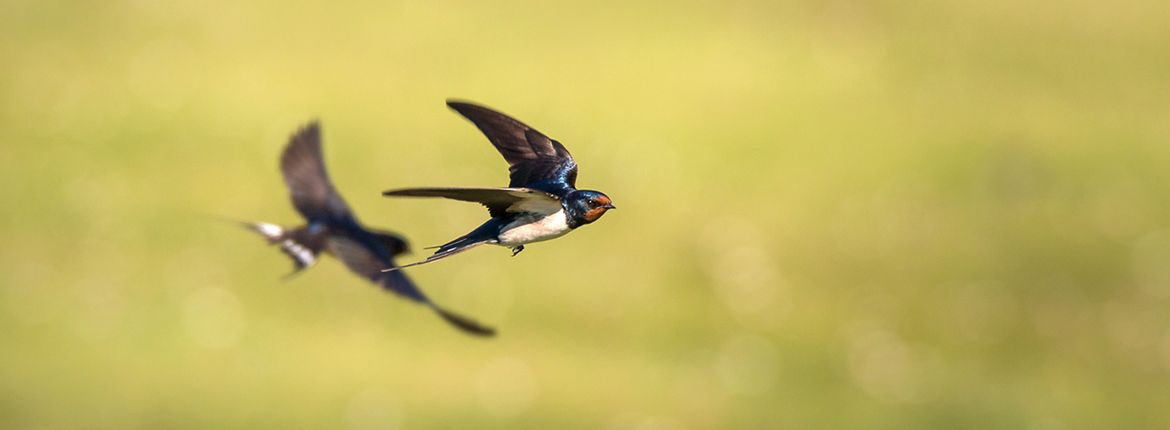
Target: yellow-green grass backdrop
833	214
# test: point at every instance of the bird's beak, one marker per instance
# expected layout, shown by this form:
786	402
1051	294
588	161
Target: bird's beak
610	206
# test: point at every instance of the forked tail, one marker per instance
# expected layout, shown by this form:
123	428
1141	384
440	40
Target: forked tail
485	233
452	248
292	243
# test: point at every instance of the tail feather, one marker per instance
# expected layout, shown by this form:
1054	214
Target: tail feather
272	232
302	255
291	244
461	242
443	252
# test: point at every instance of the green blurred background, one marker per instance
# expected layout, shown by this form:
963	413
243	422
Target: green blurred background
834	214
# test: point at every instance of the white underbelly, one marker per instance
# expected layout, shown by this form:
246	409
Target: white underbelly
525	230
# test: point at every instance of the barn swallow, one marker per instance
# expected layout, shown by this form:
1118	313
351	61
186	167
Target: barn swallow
333	228
541	201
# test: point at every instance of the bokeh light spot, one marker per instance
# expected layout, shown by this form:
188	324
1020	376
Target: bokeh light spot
747	364
1151	263
213	317
882	363
745	276
374	408
506	387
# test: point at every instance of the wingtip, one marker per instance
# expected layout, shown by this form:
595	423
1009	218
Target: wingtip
412	192
404	192
464	106
454	103
465	324
313	126
304	138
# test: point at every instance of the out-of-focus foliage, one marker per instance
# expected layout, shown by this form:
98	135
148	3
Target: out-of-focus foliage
832	215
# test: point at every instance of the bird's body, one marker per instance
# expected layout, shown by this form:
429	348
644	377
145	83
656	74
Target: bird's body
529	228
541	201
332	228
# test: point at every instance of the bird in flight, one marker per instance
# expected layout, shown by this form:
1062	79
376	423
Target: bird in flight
541	201
332	227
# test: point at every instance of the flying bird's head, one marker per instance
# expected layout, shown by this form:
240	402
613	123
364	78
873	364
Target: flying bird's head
586	206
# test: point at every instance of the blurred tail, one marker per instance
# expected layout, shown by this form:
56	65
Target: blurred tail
291	243
272	233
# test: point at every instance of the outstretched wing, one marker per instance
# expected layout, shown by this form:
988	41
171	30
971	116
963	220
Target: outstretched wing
304	172
499	201
533	158
368	264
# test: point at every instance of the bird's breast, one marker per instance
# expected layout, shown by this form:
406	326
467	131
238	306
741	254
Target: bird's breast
534	228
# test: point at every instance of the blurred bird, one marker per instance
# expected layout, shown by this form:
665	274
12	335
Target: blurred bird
332	227
541	201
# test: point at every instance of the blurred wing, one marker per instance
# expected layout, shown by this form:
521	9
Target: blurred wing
461	322
364	262
532	157
499	201
304	172
393	242
368	264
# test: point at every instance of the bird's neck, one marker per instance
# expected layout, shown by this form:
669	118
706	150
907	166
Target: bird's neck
574	217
